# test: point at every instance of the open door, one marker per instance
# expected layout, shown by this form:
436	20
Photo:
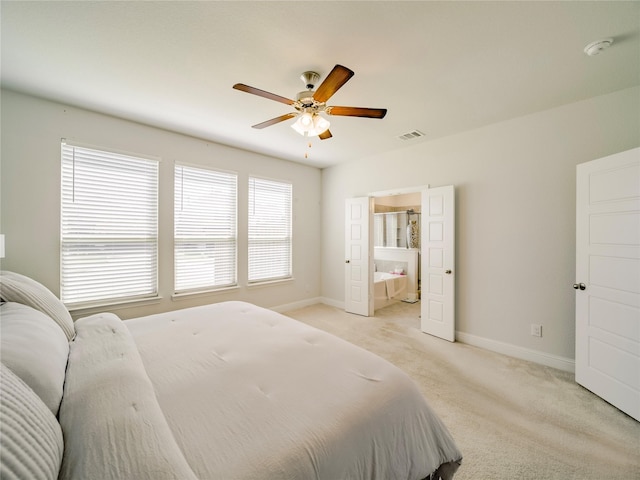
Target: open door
608	279
438	262
358	275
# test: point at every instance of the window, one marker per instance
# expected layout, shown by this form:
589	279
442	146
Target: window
269	230
205	229
109	233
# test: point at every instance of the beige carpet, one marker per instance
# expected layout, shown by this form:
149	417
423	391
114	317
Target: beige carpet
512	419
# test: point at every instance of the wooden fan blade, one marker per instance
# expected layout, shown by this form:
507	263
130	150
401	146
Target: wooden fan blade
357	112
261	93
273	121
324	135
336	79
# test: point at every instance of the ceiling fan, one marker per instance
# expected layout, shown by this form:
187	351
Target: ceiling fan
310	104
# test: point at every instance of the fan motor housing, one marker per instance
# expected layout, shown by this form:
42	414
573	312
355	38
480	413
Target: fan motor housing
306	102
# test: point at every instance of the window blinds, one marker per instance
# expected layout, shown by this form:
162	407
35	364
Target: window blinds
205	229
109	218
269	230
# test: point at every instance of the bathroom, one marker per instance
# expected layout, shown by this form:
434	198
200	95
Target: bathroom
396	239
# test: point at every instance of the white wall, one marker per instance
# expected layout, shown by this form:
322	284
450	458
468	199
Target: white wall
30	197
515	188
515	218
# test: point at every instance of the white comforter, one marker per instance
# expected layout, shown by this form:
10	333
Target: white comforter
248	393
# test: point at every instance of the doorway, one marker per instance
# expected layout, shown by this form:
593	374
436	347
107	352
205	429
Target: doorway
435	284
396	249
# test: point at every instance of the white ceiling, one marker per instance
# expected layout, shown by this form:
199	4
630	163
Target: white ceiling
439	67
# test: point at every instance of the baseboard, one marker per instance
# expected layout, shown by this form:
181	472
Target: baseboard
542	358
306	303
332	303
296	305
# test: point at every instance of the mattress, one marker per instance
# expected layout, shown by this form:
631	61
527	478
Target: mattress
252	394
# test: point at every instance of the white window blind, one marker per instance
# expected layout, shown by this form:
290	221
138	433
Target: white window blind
269	230
205	229
109	233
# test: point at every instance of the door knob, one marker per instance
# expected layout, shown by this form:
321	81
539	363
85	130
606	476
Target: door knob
448	272
580	286
347	261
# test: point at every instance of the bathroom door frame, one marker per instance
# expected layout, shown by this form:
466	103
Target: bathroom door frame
391	193
447	332
372	196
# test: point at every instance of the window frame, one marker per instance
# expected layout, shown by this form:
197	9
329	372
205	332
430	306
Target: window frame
95	241
288	237
177	292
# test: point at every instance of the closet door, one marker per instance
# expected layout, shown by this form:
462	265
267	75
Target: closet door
608	279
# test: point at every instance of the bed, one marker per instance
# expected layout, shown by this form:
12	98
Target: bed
224	391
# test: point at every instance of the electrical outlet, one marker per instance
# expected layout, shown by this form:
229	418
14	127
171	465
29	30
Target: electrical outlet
536	330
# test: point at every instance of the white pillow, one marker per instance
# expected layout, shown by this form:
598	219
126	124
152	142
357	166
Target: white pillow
18	288
31	443
34	347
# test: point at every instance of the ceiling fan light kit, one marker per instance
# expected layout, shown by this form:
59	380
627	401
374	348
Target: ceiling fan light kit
310	124
310	104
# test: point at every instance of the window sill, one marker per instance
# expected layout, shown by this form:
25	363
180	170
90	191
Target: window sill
184	295
270	283
86	310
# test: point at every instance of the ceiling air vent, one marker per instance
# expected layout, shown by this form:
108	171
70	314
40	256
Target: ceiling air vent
411	135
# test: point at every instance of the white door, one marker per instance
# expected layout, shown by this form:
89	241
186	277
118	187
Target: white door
438	262
358	277
608	279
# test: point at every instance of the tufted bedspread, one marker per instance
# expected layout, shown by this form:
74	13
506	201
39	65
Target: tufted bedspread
248	393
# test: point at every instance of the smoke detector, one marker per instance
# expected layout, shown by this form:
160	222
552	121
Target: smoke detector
594	48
